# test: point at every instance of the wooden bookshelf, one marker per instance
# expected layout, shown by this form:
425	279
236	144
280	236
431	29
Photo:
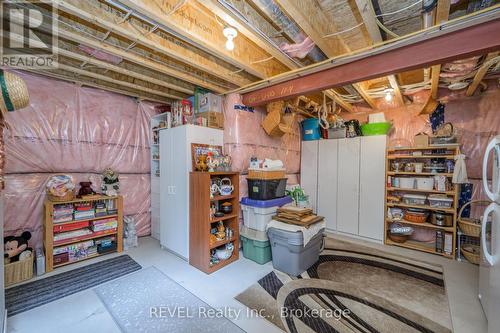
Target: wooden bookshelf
446	152
201	221
48	230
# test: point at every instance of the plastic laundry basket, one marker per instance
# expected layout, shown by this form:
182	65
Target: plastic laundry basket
289	254
258	213
256	246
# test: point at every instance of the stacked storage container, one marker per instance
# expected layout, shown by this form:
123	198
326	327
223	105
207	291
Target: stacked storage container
266	191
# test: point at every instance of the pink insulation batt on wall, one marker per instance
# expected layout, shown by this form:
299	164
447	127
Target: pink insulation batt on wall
77	131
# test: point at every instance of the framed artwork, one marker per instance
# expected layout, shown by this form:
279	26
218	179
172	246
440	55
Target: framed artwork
198	149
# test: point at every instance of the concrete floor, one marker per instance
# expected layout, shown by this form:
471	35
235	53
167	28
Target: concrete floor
84	312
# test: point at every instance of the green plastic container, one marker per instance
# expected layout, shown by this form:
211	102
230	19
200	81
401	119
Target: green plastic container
256	250
375	128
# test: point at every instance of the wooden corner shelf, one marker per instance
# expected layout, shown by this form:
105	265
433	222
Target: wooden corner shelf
48	230
403	153
201	221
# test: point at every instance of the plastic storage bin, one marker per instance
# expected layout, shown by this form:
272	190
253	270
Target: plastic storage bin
258	213
266	189
440	202
310	129
289	254
256	246
414	199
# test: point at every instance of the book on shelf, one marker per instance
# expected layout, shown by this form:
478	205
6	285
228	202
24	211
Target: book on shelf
71	234
73	247
63	219
71	226
84	215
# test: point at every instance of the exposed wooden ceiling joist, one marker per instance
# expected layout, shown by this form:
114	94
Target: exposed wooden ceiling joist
121	70
362	92
218	9
95	84
172	48
367	12
310	18
487	63
201	27
442	14
333	95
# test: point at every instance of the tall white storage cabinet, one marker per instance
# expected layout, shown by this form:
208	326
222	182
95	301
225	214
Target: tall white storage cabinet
327	181
372	186
348	185
309	170
347	180
175	152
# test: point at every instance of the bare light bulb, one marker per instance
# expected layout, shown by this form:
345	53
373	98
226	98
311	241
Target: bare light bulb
388	95
230	45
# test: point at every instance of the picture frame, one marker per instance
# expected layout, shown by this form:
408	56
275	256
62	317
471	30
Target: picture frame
198	149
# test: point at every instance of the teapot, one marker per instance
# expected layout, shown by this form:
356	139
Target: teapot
226	187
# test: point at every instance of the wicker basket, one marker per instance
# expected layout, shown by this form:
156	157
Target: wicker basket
470	227
18	271
70	195
266	174
14	93
471	253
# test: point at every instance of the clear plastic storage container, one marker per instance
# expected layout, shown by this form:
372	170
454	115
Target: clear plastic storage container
440	201
414	199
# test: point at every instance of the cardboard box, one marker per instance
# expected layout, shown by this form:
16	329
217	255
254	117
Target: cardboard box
210	103
421	140
211	119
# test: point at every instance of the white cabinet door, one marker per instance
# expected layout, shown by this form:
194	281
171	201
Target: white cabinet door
372	187
309	170
348	185
327	182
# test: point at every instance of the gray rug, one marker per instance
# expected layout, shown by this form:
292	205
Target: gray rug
149	301
33	294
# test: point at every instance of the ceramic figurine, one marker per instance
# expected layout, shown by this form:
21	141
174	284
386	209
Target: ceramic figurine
201	163
254	163
212	163
226	162
221	231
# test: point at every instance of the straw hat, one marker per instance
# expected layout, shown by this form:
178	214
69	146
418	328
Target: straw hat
14	93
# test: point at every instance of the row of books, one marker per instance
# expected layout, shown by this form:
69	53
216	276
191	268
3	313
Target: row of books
104	224
82	250
83	210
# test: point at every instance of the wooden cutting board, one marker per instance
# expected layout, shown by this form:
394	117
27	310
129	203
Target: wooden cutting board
304	222
295	211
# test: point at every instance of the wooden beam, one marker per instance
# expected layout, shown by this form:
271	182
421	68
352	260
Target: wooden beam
306	12
442	14
129	56
367	12
334	96
243	27
98	86
397	91
201	27
121	70
420	50
170	47
105	78
487	63
362	92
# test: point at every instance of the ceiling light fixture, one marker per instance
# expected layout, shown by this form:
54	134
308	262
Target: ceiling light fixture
230	33
389	92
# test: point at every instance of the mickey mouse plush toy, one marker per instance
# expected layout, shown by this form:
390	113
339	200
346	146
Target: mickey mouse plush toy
16	247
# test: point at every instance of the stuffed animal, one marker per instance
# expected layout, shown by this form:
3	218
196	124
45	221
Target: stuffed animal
85	189
16	247
110	183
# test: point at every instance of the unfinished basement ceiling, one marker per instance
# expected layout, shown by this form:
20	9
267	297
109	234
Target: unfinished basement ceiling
163	50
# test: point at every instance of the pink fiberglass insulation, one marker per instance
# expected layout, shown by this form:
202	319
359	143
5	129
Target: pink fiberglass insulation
77	131
244	138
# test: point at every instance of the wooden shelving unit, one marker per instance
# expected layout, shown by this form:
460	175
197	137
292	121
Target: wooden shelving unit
201	221
447	152
48	230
